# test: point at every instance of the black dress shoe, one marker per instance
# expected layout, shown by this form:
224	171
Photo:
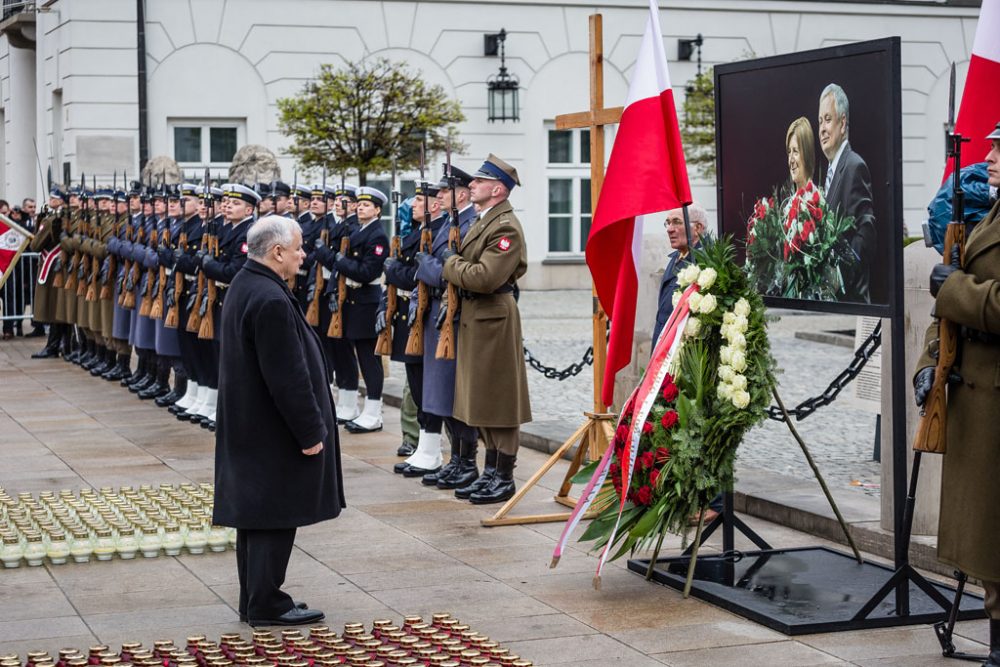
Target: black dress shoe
298	605
294	616
431	478
501	487
185	416
46	353
37	332
119	372
154	390
413	471
406	449
167	399
144	382
211	427
400	467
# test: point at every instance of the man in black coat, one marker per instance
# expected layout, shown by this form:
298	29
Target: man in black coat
848	188
678	259
277	455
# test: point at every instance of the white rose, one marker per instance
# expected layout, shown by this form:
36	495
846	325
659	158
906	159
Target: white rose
729	318
675	299
706	278
739	362
708	304
724	391
692	327
726	373
694	301
736	340
741	324
726	354
688	275
740	399
739	381
742	308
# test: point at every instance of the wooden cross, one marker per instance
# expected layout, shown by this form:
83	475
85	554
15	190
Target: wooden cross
595	119
594	436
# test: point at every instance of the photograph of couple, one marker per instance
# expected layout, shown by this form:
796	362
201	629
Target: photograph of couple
814	236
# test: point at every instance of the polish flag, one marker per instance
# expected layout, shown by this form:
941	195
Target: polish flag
646	174
979	111
13	240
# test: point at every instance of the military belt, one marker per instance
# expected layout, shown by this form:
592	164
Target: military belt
980	336
503	289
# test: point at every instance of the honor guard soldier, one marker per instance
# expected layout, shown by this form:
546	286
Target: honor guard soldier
485	270
135	252
340	221
439	374
264	206
312	226
144	251
46	243
402	272
120	246
281	199
69	244
84	265
238	211
361	267
301	201
967	293
99	290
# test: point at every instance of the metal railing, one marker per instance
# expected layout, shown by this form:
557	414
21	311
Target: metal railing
11	7
19	289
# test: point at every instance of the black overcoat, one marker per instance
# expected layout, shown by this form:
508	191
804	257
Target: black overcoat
274	402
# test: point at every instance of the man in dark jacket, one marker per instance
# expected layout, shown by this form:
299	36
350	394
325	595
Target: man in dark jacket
277	454
678	259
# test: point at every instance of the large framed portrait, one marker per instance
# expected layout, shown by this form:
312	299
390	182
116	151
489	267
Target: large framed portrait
810	175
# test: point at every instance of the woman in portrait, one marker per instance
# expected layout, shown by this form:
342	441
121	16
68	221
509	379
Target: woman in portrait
800	148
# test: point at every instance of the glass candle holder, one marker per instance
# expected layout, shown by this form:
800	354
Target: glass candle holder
11	552
34	549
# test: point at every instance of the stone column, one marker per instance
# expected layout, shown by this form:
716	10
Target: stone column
22	171
917	303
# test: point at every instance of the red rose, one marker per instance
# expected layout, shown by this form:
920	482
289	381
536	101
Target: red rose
662	454
644	495
786	249
621	434
615	470
646	460
669	419
815	198
653	476
799	192
667	379
647	428
670	393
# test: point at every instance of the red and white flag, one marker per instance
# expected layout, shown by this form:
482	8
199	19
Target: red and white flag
13	240
979	111
646	174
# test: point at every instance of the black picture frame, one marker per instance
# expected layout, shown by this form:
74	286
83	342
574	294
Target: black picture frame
746	116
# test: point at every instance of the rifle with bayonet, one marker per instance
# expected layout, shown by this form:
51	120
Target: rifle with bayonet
133	266
157	312
384	344
446	340
74	262
206	330
95	263
336	328
312	313
194	317
109	280
932	430
172	318
84	272
415	341
148	294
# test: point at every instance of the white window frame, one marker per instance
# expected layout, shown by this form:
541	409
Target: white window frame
206	125
577	172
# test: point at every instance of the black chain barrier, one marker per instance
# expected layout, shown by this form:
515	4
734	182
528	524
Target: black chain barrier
810	405
554	373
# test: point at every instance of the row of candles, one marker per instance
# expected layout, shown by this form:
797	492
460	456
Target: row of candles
442	642
105	523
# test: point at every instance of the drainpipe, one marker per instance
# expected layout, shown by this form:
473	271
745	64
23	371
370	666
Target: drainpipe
140	47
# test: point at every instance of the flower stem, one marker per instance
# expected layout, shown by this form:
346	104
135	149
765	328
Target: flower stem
656	553
694	554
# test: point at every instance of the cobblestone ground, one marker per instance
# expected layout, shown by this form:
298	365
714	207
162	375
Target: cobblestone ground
840	437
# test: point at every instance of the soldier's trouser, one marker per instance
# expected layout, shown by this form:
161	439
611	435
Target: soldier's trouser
992	601
340	354
371	366
120	346
415	381
459	431
504	439
408	417
212	367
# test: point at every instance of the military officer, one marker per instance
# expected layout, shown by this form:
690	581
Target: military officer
312	226
439	374
486	268
968	294
402	272
46	243
368	249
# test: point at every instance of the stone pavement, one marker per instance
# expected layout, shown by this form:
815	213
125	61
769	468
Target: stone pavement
399	548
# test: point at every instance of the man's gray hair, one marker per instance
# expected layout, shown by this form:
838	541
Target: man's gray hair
839	100
269	231
697	213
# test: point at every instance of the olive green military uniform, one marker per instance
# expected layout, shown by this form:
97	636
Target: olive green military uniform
70	244
45	239
969	529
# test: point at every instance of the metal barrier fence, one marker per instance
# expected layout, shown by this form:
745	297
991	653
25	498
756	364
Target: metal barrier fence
17	293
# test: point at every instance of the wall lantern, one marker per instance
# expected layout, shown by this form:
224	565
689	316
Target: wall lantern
501	87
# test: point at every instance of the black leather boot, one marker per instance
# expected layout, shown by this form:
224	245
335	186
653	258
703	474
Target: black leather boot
51	348
501	487
120	369
148	376
66	342
431	478
140	370
106	363
489	470
88	350
994	658
174	395
161	382
467	470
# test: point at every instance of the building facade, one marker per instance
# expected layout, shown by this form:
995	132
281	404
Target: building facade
214	70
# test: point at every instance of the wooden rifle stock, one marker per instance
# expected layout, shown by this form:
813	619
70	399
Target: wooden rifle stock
95	270
194	318
932	431
415	341
146	305
81	280
312	313
60	280
207	329
74	262
336	329
132	273
384	344
107	289
172	318
446	341
156	311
